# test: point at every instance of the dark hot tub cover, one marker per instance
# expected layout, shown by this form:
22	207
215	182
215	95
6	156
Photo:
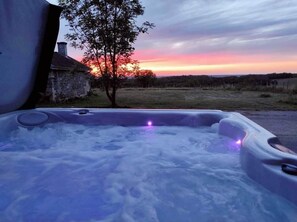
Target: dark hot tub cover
28	32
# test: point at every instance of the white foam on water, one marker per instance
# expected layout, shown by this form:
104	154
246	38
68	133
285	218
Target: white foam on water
65	172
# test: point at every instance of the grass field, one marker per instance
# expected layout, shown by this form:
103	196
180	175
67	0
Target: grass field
187	98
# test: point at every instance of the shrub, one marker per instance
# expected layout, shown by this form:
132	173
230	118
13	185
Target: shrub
264	95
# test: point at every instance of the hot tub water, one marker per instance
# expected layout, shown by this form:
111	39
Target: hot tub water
69	172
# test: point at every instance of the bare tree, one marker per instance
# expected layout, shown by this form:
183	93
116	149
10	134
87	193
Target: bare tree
106	30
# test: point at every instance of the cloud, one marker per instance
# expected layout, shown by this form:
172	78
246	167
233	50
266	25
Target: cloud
223	25
217	32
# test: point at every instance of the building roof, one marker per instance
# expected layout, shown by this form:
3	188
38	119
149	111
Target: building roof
61	62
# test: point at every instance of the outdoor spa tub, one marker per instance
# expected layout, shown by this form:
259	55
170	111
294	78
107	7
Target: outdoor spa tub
142	165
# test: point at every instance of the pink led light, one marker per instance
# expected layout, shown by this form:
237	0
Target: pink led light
238	142
149	123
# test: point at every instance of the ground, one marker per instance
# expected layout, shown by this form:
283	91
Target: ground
190	98
281	123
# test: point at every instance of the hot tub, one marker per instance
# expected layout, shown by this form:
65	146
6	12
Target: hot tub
125	165
142	165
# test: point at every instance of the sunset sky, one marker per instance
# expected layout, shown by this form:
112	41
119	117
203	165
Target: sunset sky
215	37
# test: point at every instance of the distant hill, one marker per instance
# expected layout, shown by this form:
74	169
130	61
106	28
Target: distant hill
228	80
235	81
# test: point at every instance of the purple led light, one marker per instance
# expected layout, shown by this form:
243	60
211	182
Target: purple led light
149	123
238	142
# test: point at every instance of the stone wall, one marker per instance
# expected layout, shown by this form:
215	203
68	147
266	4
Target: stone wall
65	85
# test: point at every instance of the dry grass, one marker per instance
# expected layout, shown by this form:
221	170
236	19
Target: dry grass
188	98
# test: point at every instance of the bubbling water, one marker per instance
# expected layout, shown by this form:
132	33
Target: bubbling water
65	172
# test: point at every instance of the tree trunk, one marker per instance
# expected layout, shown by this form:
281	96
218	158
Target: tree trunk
113	98
108	94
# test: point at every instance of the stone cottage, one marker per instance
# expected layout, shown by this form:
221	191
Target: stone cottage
68	78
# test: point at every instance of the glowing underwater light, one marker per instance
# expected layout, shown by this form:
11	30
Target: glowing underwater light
238	142
149	123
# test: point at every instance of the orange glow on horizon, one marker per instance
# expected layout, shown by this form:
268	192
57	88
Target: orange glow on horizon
217	63
237	68
94	70
211	64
